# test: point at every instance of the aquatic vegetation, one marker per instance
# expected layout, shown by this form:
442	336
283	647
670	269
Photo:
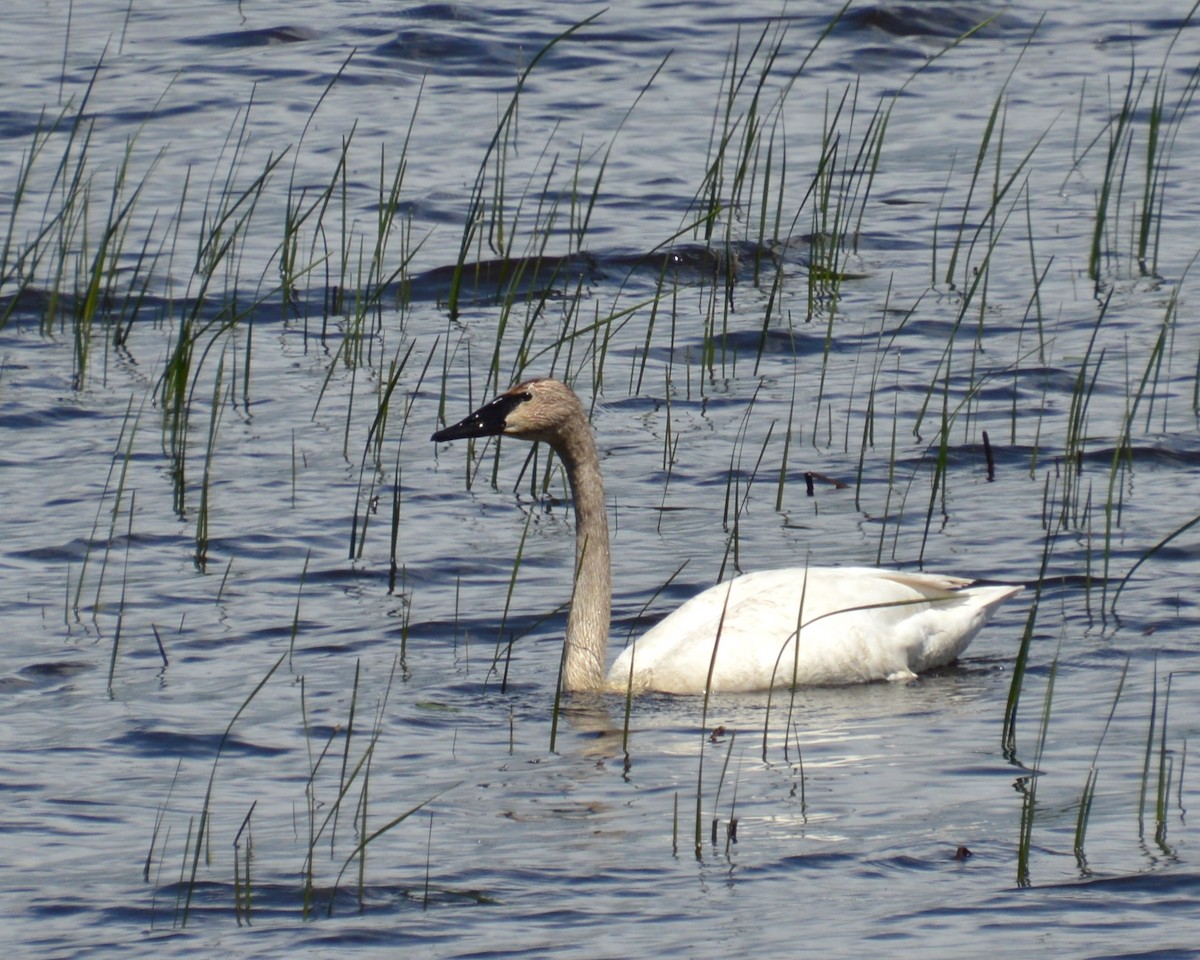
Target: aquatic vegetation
818	338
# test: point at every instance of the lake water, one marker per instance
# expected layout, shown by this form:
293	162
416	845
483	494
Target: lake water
203	621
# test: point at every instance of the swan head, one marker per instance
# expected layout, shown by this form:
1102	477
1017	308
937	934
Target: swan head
533	410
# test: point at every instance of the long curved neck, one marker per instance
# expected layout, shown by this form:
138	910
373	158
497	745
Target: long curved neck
591	601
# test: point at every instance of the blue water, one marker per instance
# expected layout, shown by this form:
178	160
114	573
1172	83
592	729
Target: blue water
131	673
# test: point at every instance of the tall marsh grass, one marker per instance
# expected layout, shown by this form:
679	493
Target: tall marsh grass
755	296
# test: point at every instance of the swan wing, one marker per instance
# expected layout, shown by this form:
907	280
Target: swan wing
855	624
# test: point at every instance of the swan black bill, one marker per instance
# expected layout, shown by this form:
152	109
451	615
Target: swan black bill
488	421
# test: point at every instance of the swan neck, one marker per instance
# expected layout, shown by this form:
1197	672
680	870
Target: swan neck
591	601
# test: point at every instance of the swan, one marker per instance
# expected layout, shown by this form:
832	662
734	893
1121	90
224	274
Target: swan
855	624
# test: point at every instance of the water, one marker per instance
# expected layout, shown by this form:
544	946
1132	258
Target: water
847	829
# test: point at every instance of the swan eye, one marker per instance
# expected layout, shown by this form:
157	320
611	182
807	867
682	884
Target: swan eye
526	397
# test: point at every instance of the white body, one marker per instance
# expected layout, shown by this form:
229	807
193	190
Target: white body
856	624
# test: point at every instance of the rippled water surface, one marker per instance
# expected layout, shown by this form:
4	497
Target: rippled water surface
247	601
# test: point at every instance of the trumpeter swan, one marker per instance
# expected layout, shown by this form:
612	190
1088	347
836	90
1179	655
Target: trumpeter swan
854	624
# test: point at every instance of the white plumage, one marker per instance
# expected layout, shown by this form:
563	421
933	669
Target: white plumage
856	624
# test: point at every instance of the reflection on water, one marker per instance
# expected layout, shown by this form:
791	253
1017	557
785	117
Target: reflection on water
416	698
